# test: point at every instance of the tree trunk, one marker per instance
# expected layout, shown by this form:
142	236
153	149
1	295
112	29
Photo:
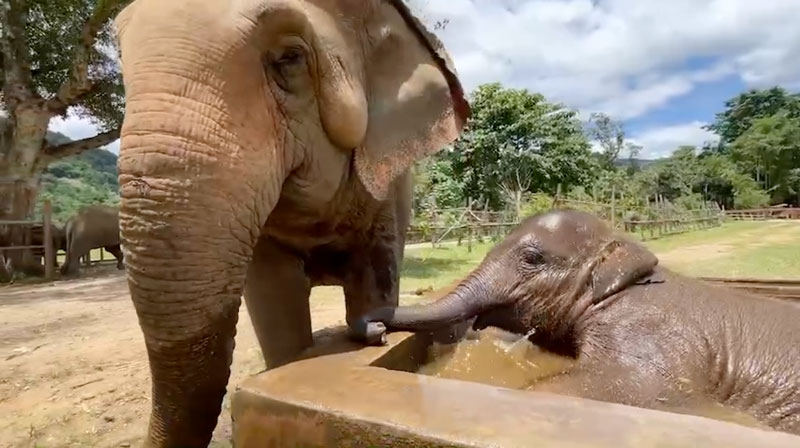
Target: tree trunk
20	175
17	200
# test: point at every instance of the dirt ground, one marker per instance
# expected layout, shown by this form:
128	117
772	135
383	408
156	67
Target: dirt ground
73	367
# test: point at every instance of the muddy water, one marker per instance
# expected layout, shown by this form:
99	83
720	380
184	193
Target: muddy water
503	359
494	357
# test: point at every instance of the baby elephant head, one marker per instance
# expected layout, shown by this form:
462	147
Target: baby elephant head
550	272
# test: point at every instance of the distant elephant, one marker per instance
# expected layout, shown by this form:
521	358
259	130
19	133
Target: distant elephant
265	150
91	227
58	237
641	335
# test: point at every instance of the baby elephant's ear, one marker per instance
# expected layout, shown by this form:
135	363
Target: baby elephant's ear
624	263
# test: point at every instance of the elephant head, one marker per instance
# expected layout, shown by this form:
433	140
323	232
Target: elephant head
543	278
260	130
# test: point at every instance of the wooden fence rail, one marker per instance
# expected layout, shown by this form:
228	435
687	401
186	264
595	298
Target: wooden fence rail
47	245
764	214
781	289
650	221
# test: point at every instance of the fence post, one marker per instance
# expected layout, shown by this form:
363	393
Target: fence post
469	223
469	238
49	253
434	220
613	205
556	198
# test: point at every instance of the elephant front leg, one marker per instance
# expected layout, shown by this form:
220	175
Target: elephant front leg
276	293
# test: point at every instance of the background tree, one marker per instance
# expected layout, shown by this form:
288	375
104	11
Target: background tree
741	112
56	57
610	135
770	150
793	183
519	140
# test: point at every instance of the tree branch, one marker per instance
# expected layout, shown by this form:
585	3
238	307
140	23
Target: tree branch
78	82
51	153
17	84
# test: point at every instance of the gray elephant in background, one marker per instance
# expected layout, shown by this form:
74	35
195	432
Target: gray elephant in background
92	227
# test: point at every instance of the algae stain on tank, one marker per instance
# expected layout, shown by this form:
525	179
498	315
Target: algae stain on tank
494	357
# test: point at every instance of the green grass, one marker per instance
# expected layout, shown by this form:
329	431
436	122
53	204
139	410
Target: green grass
725	231
772	262
437	268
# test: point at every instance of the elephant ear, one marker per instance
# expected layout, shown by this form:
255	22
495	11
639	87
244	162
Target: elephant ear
622	264
415	99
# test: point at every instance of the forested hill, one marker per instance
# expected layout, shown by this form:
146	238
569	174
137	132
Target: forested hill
73	182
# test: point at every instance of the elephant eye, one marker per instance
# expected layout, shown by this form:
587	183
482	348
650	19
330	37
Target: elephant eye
533	256
288	69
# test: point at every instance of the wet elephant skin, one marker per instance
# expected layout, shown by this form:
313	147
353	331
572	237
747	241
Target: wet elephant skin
641	334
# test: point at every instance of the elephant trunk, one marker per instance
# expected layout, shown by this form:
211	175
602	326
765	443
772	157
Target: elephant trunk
197	183
187	242
467	300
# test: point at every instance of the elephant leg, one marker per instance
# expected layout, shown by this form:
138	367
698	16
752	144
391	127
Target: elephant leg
117	253
72	263
276	293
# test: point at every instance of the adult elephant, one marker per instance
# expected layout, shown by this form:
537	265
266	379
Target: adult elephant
91	227
641	335
265	150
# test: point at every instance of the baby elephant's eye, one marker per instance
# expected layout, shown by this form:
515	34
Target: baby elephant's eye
533	257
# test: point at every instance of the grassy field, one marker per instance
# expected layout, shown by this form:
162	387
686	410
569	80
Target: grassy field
736	249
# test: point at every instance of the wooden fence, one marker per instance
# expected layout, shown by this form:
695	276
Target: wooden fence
29	251
461	223
649	221
780	289
763	214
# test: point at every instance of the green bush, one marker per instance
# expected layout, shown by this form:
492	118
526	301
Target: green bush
536	203
691	201
751	199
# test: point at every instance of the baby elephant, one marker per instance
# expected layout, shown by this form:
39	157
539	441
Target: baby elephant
641	335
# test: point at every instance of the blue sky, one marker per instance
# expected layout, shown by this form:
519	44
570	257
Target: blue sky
662	67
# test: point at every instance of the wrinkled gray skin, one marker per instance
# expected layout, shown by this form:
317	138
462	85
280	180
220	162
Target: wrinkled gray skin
91	227
641	335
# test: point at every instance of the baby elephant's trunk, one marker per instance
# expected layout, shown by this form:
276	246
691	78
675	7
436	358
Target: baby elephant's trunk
463	303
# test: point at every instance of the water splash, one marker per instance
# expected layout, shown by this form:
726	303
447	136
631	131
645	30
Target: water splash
520	340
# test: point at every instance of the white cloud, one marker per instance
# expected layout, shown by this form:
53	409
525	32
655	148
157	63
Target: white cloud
661	141
77	128
625	57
